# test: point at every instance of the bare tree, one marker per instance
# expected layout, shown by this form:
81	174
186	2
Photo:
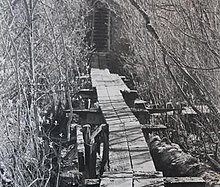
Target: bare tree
175	46
42	51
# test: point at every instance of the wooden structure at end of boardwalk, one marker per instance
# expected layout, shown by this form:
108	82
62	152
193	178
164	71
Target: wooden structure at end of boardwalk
130	162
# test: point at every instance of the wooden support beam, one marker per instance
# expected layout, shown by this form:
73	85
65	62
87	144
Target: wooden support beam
119	179
133	174
140	104
125	80
154	110
140	111
90	153
154	182
92	119
95	110
132	179
153	127
90	116
118	174
83	111
88	93
162	110
184	182
116	182
149	174
131	93
143	179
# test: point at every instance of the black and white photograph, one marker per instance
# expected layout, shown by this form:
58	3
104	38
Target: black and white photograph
109	93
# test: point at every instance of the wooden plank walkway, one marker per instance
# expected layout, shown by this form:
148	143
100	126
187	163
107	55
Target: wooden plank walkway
129	152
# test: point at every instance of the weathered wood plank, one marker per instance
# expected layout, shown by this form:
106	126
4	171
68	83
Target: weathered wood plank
119	154
126	141
123	174
139	151
116	182
179	180
139	179
148	174
143	179
154	182
153	127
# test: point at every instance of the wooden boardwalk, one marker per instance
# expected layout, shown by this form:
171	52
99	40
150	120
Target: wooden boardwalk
128	151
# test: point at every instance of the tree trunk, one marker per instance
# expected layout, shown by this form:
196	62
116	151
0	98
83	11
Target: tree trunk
170	158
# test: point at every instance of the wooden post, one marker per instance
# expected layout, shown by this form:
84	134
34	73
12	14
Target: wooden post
105	156
87	134
81	161
87	160
92	161
90	153
80	149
